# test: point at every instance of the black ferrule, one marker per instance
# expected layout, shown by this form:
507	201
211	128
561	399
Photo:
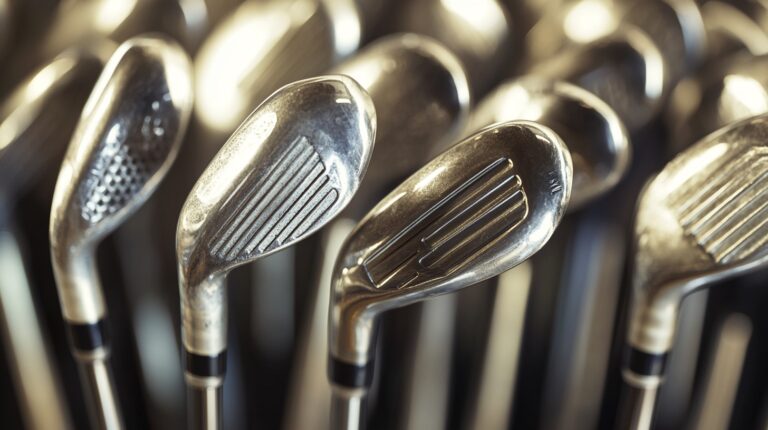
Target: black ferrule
645	364
350	375
88	337
205	365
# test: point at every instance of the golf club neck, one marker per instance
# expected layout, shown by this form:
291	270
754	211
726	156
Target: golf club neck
348	409
204	408
100	392
636	407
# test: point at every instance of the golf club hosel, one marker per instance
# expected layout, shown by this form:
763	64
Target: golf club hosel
652	325
204	330
77	280
204	326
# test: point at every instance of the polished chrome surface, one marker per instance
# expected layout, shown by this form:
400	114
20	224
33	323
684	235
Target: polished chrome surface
38	117
731	91
701	220
264	45
677	29
421	97
98	381
291	167
479	32
480	208
596	138
127	138
422	100
625	69
733	27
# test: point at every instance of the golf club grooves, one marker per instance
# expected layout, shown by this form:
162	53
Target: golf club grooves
205	365
479	211
645	364
88	337
350	375
285	203
727	217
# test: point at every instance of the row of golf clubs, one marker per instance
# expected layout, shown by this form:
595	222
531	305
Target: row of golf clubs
377	140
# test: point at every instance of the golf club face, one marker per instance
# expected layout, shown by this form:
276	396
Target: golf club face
128	135
596	138
728	93
677	29
477	31
625	69
701	220
38	118
422	99
478	209
293	164
264	45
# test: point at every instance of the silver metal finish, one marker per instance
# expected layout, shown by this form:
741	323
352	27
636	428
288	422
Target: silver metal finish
128	136
479	32
422	99
291	167
733	27
264	45
677	29
596	138
701	220
625	69
726	93
38	117
480	208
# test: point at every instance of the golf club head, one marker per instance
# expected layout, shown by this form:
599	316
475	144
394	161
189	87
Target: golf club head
625	69
480	208
593	133
701	220
479	32
564	24
291	167
128	135
264	45
422	100
677	29
38	118
733	27
725	93
81	21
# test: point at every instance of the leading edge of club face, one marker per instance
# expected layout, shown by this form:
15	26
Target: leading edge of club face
293	164
701	220
477	210
128	135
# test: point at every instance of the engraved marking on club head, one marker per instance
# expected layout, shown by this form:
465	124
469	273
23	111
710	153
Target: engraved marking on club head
131	153
451	233
284	204
725	208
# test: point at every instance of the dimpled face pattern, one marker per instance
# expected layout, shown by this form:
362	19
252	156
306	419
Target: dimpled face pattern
133	149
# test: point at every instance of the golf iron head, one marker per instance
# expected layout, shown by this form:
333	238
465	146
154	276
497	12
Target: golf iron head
38	118
625	69
292	166
422	101
699	221
475	211
129	134
596	138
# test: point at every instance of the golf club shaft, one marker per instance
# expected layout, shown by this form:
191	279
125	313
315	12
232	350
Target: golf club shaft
100	393
636	407
205	404
348	410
